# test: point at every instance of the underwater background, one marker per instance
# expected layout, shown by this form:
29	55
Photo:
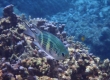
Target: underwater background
87	21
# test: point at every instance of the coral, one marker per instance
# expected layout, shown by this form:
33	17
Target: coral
90	20
22	60
11	38
46	78
8	12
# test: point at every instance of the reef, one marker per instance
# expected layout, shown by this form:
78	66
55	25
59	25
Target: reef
20	59
89	20
83	19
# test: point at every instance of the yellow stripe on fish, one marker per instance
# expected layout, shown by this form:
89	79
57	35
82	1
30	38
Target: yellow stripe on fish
41	39
48	45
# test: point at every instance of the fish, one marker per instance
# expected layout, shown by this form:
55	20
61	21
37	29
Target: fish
49	43
83	38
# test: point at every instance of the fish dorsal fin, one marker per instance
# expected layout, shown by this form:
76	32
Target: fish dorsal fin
37	31
28	31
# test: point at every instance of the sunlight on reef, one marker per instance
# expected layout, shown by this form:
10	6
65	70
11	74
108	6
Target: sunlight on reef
20	59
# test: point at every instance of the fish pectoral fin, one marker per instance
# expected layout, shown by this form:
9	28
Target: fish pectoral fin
37	31
49	57
46	54
37	44
28	33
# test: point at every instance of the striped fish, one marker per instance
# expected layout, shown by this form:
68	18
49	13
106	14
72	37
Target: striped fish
49	43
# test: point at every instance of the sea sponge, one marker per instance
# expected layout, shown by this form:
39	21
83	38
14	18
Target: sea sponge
18	77
46	78
106	62
1	73
89	69
74	68
71	50
80	62
39	61
97	60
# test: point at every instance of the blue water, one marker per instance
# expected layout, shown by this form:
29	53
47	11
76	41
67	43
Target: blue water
87	19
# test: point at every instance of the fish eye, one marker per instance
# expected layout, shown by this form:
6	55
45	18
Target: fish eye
63	54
